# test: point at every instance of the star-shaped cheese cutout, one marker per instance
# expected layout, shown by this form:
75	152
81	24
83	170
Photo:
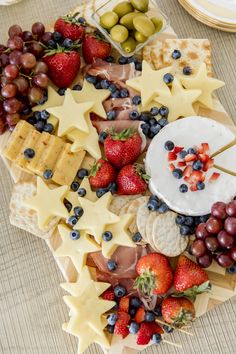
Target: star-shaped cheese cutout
54	100
204	83
85	280
71	115
76	250
87	310
90	93
150	83
120	236
47	202
180	101
96	216
83	141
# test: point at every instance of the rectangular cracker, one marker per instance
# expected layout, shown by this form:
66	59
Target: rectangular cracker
157	55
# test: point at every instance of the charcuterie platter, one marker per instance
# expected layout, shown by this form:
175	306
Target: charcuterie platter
122	161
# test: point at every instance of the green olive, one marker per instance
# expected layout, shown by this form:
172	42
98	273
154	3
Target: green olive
119	33
140	5
129	45
109	19
123	8
158	23
144	25
139	37
127	20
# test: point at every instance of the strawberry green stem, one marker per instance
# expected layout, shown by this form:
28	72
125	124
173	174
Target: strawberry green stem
145	283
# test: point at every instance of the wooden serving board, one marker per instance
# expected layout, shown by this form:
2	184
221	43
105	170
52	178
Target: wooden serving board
223	285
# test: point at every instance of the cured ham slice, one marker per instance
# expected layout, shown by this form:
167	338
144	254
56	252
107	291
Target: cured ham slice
118	125
118	104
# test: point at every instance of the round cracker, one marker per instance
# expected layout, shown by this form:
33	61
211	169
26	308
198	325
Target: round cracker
149	226
132	207
166	235
141	220
119	201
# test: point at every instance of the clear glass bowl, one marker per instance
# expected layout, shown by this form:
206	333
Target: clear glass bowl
152	12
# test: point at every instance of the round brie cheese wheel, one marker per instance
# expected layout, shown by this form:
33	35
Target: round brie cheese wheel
189	132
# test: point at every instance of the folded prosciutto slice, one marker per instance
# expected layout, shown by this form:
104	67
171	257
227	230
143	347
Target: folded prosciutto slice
118	124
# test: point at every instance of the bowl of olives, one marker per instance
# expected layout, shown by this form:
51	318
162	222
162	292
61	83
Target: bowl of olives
130	24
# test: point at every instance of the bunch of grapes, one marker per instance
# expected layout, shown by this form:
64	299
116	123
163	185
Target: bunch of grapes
216	239
23	74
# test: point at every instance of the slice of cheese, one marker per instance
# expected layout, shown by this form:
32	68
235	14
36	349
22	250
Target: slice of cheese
30	142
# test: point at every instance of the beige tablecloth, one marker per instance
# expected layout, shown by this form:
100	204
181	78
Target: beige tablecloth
31	308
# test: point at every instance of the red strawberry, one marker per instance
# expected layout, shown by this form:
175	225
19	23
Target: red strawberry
155	274
187	171
108	294
188	274
196	176
203	149
95	47
190	158
124	304
214	177
177	311
70	27
101	174
171	167
146	331
208	164
203	157
177	149
121	326
123	148
131	180
172	156
181	164
63	65
140	315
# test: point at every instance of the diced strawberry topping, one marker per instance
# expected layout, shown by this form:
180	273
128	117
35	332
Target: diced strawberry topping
190	158
171	167
177	149
172	156
203	157
140	315
196	176
181	164
124	304
208	164
187	171
205	147
121	326
214	177
193	187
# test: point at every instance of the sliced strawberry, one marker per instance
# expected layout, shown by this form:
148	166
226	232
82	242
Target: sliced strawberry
172	156
190	157
171	167
187	171
147	329
214	177
196	176
109	294
209	164
140	315
193	187
177	149
203	157
205	148
181	164
124	304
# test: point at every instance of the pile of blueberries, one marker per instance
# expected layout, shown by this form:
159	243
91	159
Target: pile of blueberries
40	121
156	204
188	224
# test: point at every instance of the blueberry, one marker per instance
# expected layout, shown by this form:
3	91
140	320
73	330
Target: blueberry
74	235
119	291
183	188
184	230
168	329
110	59
176	54
204	218
112	88
137	237
145	128
112	318
232	269
67	43
82	192
91	79
72	221
112	187
124	93
52	44
29	153
111	115
68	205
43	100
164	111
187	70
47	174
149	316
78	211
74	186
152	121
150	134
168	78
45	115
31	120
169	145
154	111
61	91
101	191
57	36
200	186
98	85
122	60
82	20
132	312
48	128
145	117
138	66
180	219
177	173
134	115
110	329
26	110
135	302
107	236
39	126
189	221
111	265
153	203
134	328
131	60
197	165
157	311
115	94
182	154
156	338
102	137
136	100
162	122
105	84
191	151
77	87
82	172
163	208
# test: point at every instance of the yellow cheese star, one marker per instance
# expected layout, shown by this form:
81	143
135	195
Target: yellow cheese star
90	93
150	83
179	101
204	83
120	236
76	250
96	216
71	115
47	202
83	141
54	100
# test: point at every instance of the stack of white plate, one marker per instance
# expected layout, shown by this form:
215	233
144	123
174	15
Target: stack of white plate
220	14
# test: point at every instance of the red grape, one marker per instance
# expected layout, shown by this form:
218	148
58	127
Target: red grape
21	83
3	125
233	253
14	57
15	30
15	43
201	231
225	240
35	94
28	60
224	260
46	37
214	225
12	119
36	49
212	243
11	71
205	260
198	248
41	80
231	208
230	225
4	59
218	210
27	36
9	91
11	105
38	29
40	67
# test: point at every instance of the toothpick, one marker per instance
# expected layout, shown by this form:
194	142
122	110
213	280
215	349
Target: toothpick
172	343
178	329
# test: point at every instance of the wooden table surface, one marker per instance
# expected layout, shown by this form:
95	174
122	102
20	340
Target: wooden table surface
31	307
